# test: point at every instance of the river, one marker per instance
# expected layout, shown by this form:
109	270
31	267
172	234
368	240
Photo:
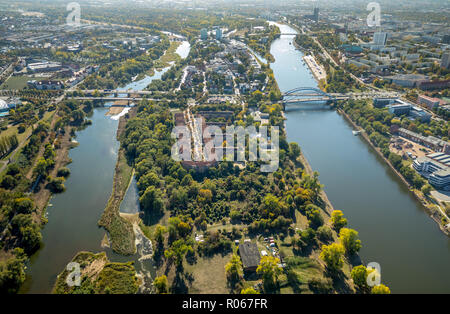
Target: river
413	253
73	215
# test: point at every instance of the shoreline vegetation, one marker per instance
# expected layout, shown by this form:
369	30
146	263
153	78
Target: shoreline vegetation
121	235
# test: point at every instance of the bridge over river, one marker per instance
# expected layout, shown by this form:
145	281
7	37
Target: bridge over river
312	95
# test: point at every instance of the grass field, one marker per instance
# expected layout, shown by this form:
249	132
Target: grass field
19	82
209	274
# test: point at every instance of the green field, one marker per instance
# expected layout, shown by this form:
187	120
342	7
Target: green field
19	82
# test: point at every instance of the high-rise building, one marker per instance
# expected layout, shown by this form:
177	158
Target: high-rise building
204	34
380	39
316	14
218	34
445	61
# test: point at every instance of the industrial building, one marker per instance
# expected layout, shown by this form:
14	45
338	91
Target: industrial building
400	108
436	168
428	141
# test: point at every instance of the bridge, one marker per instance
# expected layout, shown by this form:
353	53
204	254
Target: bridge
314	95
306	95
292	34
117	92
110	98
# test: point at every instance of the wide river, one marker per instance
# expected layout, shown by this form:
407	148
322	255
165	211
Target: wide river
74	214
413	253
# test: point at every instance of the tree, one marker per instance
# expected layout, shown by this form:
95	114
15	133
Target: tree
12	274
324	233
161	284
249	291
8	182
273	206
294	151
56	185
63	172
177	251
350	241
41	167
31	238
313	215
338	220
381	289
159	234
151	200
426	189
269	269
359	275
332	256
23	205
233	270
312	183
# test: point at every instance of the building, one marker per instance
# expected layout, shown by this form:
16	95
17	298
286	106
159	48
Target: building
436	168
44	67
45	85
445	61
428	101
440	179
383	102
351	49
408	80
431	85
4	106
428	141
420	114
219	34
380	39
249	256
204	34
400	109
314	16
7	105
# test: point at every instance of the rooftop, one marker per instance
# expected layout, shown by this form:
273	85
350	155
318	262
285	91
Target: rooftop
249	254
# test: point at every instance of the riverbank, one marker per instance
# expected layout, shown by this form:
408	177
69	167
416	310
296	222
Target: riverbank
120	231
308	169
417	194
316	69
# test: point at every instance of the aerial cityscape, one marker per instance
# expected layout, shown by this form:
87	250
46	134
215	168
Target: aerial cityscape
224	147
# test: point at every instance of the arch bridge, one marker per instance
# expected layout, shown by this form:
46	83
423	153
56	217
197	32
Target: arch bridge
307	95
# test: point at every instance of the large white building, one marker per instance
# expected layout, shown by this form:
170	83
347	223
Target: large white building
380	39
436	168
